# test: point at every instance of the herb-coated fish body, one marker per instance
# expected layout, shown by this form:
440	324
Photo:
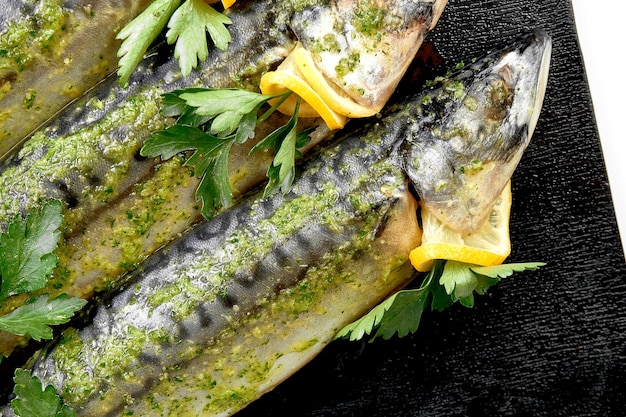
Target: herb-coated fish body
88	157
241	302
120	207
51	52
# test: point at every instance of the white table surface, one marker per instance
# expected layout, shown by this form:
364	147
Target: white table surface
602	36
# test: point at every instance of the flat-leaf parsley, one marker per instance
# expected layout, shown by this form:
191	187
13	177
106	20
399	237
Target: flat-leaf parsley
26	260
209	121
188	25
447	283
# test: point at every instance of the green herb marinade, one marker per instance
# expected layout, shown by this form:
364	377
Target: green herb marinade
39	31
230	356
79	154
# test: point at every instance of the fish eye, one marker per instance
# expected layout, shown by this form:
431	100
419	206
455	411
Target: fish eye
498	99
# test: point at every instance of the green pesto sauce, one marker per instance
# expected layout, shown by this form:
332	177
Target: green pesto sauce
285	9
299	5
117	351
473	167
335	269
77	154
368	19
456	88
233	362
244	249
33	35
328	43
156	205
110	361
347	64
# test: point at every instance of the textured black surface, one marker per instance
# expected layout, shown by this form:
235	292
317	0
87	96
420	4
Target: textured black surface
545	343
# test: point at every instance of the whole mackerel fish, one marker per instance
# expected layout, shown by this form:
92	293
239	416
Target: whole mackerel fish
120	207
51	52
241	302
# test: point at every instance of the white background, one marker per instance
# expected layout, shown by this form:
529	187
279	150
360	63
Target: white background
601	28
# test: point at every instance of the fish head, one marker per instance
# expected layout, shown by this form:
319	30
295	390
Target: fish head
475	126
363	48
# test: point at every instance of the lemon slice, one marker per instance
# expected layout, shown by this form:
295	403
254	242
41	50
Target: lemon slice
333	96
489	245
225	3
288	77
299	74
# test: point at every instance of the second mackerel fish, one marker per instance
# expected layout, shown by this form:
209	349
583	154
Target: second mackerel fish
241	302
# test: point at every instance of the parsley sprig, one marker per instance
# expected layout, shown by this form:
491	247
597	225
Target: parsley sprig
187	25
447	283
209	122
32	400
26	261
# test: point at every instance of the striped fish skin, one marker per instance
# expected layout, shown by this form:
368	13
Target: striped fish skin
53	51
119	207
241	302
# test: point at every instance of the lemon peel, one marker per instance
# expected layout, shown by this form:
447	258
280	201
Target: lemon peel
489	245
312	105
299	74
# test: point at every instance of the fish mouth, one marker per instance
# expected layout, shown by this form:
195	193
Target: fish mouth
526	69
542	80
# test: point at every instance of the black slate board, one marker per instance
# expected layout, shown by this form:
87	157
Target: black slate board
545	343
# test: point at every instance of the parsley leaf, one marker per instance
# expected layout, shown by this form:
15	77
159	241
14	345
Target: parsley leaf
26	257
34	401
26	261
188	27
139	34
400	313
188	24
35	318
227	106
506	270
209	121
461	280
447	283
209	160
285	142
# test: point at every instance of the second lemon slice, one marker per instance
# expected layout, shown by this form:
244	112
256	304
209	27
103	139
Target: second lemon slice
489	245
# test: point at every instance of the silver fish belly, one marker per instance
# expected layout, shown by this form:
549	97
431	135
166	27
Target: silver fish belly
51	52
241	302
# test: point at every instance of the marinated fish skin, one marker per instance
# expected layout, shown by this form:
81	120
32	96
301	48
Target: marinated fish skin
476	139
363	47
244	267
241	302
118	206
121	207
54	51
